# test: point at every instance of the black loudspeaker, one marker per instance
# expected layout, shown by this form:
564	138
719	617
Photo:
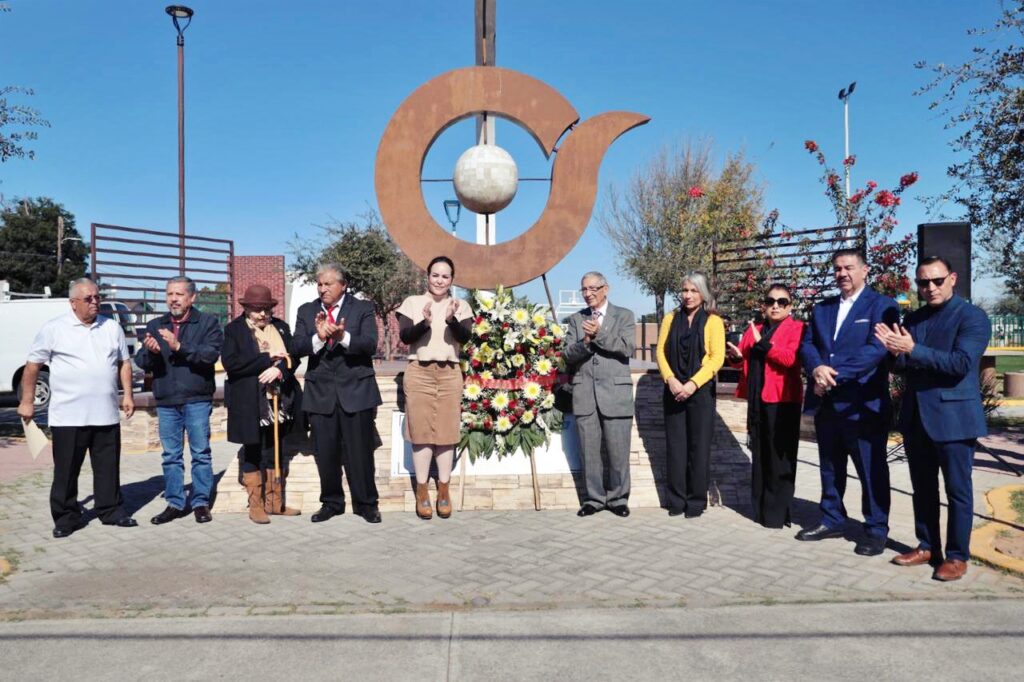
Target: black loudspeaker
951	241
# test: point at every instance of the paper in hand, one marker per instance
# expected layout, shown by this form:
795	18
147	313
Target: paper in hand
35	437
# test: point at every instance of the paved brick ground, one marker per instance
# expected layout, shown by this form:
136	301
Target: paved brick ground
508	560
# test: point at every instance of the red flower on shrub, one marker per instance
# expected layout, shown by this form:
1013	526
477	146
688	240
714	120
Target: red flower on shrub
850	160
832	180
811	146
908	179
885	198
696	192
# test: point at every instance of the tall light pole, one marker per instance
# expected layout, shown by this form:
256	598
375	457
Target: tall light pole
179	13
844	96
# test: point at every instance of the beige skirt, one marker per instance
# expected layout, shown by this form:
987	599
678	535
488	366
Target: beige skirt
433	398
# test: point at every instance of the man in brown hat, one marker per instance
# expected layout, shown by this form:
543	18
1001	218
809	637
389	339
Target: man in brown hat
180	349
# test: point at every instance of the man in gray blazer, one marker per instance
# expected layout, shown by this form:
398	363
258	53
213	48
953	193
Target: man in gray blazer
599	341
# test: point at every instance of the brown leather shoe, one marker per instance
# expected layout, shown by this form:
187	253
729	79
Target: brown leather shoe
951	569
423	508
914	557
444	503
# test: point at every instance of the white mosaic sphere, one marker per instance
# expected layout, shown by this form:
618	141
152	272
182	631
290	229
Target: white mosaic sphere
486	178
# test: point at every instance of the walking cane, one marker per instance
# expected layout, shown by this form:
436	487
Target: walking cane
277	426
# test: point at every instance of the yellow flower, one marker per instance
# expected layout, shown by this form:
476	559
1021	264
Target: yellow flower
548	402
464	364
532	390
520	316
527	417
500	401
502	425
518	360
482	327
485	299
543	366
557	331
472	391
539	319
487	375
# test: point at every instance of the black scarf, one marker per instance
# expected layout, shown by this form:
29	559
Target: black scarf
755	372
686	344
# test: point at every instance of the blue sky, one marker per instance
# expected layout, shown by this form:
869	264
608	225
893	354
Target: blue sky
286	102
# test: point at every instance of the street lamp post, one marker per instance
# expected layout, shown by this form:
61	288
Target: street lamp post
844	97
179	13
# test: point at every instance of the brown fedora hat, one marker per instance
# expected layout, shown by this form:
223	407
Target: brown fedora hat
258	296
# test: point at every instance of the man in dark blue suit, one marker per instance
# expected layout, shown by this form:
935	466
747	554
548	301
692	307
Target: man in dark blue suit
848	391
338	333
939	348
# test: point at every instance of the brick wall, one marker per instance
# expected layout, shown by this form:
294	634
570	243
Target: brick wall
266	270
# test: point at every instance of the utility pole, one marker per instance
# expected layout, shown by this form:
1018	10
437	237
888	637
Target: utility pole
844	96
486	14
60	246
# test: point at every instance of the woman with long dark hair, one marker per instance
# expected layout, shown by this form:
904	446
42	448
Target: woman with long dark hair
770	381
434	325
691	350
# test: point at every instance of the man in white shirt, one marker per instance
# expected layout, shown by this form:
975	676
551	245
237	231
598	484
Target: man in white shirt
87	355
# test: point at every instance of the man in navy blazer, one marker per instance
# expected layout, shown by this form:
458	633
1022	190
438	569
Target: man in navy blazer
338	333
848	391
939	349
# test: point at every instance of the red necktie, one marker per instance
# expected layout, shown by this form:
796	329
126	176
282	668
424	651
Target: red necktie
330	316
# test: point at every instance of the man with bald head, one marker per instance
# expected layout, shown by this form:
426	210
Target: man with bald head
87	355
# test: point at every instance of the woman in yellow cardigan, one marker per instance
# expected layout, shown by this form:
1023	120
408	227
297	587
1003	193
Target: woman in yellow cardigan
691	350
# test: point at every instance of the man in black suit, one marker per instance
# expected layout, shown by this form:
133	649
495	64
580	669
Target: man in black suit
339	334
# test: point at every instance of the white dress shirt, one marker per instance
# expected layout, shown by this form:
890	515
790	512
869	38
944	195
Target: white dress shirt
599	313
83	361
332	312
845	305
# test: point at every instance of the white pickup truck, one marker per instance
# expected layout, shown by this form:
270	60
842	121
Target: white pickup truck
21	318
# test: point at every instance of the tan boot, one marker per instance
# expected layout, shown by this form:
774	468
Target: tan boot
274	497
253	481
444	504
423	509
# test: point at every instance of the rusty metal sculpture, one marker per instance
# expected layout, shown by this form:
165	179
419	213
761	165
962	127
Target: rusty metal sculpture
542	112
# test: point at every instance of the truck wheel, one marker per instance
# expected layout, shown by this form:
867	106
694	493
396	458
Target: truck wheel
42	397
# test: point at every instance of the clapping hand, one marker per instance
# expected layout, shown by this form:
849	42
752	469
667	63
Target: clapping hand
172	341
150	343
733	350
755	331
897	340
590	328
428	313
451	310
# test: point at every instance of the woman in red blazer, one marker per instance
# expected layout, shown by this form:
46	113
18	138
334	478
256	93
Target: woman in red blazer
770	381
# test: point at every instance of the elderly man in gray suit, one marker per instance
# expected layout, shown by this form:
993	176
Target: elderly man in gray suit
599	342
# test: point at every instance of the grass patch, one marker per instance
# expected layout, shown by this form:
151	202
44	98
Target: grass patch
1009	363
1017	503
1005	422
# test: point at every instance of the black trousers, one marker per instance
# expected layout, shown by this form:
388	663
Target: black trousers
256	456
689	428
345	439
774	440
69	446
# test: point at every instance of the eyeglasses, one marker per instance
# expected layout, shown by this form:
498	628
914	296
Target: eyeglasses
252	309
923	282
769	302
592	290
89	299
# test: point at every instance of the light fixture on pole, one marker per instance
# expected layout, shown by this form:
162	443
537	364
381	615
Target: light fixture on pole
452	209
178	14
844	97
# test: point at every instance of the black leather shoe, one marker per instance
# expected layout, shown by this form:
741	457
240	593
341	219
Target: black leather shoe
167	515
622	511
869	546
324	514
587	510
819	532
693	514
202	514
64	531
676	512
123	522
371	515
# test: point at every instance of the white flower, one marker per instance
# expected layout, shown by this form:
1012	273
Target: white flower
500	401
502	424
539	319
485	299
472	391
520	316
548	402
543	367
518	360
532	390
557	331
527	417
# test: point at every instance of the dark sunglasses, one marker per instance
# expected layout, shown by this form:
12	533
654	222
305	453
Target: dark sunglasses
783	302
937	281
89	299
